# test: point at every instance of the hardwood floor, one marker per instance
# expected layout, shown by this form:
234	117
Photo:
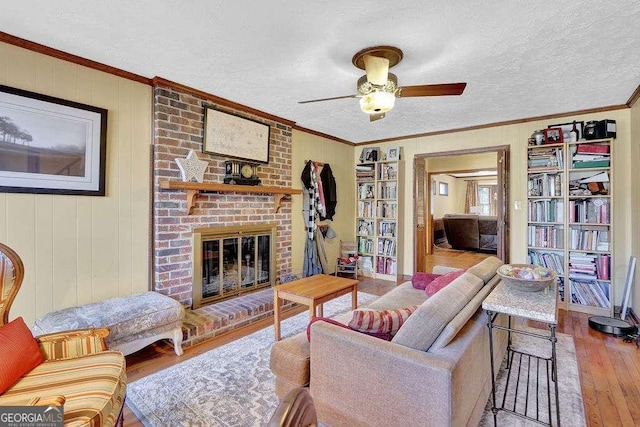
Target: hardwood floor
609	368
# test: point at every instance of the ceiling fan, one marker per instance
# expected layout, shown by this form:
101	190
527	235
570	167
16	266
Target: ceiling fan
379	88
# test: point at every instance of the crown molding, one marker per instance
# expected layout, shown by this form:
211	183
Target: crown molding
634	97
324	135
75	59
496	124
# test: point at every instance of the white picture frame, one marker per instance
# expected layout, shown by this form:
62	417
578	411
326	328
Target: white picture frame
393	153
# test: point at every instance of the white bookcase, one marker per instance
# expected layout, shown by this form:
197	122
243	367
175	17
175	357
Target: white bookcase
378	223
570	220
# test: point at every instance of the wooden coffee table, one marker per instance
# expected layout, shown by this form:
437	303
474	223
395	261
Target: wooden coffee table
313	291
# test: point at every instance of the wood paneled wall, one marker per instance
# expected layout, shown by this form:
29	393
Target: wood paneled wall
80	249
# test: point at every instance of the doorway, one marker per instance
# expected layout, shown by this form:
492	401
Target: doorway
458	164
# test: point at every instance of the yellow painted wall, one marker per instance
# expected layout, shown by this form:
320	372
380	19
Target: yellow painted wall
80	249
516	136
340	156
449	203
455	202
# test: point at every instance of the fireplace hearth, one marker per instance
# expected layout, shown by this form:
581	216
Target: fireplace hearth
230	261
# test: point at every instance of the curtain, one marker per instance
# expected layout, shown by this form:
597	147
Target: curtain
471	198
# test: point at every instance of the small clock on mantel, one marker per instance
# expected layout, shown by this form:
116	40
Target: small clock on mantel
241	173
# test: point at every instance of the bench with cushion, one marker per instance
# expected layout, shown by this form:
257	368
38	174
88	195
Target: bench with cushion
134	321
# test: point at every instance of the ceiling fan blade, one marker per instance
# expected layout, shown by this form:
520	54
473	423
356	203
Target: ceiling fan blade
377	69
432	90
330	99
374	117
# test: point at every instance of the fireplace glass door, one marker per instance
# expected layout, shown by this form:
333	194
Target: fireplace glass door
233	265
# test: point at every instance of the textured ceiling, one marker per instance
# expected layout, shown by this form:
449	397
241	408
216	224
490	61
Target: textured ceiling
519	58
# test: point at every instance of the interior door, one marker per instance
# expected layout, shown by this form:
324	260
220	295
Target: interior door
421	215
423	234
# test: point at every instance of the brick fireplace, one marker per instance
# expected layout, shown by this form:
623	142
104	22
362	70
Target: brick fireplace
178	128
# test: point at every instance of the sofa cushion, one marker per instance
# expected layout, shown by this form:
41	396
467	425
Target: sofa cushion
404	295
457	323
19	350
380	322
420	280
442	281
427	322
486	269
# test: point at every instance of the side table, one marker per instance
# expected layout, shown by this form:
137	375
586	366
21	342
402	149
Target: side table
541	307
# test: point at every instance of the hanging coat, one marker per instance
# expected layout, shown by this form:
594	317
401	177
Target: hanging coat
329	188
311	198
311	265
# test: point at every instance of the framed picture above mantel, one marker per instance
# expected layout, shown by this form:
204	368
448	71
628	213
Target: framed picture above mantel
51	145
230	135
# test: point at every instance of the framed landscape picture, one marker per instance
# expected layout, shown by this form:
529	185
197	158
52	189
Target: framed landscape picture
229	135
51	145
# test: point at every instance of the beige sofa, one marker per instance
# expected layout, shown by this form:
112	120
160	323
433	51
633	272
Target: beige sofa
435	371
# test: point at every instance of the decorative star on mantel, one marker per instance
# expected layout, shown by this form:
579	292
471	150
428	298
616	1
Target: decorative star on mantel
191	167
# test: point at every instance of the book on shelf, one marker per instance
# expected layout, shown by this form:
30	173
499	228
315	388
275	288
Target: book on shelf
545	236
593	148
599	177
550	260
590	157
545	184
589	292
591	164
546	210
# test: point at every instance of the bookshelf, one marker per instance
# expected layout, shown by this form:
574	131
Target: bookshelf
569	220
378	226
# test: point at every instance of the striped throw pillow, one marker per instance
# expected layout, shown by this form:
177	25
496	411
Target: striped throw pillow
380	322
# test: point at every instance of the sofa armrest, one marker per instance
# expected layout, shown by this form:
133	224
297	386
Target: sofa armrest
70	344
360	380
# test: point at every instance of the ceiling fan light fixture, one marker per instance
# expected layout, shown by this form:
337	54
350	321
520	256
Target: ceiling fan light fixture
377	102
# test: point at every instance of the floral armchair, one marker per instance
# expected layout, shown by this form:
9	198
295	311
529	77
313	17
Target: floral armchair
72	369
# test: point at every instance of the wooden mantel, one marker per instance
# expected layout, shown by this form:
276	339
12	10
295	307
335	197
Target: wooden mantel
195	188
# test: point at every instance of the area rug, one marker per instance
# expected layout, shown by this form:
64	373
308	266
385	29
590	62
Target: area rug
230	386
571	406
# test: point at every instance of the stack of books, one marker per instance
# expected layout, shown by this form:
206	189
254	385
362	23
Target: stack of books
597	184
545	158
365	172
587	275
591	156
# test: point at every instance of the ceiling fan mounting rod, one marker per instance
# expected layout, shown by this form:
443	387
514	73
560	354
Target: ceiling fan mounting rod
393	54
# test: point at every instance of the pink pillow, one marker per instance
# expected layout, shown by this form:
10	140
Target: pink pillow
442	281
20	352
421	280
383	336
